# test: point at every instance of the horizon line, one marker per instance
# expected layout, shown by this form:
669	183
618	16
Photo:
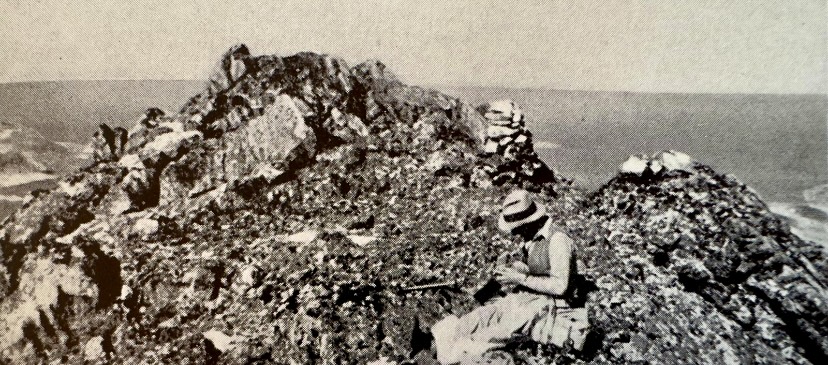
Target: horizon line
458	85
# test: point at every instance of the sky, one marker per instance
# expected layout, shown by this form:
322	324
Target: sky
705	46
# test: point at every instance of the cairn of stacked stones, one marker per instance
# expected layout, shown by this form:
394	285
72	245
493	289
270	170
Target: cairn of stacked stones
509	146
506	131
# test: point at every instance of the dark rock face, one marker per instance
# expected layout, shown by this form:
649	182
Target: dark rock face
108	144
284	214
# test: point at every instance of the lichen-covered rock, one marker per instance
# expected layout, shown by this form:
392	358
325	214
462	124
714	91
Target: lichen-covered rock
279	137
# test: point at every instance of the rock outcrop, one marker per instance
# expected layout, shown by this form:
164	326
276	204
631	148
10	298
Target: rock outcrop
695	241
289	213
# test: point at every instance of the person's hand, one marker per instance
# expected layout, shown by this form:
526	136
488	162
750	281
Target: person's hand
509	275
521	267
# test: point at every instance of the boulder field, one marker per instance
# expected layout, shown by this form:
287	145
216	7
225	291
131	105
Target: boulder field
303	211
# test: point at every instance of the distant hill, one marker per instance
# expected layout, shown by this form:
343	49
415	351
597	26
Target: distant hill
25	150
29	161
70	111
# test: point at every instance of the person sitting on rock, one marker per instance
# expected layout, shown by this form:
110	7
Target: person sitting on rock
536	306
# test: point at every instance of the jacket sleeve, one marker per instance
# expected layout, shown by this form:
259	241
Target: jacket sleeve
560	258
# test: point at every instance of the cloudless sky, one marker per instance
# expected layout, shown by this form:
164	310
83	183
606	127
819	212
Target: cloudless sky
749	46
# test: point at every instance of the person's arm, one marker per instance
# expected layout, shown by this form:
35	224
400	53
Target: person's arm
560	257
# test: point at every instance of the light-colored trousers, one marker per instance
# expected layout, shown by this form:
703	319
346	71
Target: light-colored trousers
536	316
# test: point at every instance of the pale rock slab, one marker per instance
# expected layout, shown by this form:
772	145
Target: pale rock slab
634	165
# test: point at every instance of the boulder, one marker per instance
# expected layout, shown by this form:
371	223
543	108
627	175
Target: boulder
675	161
251	276
146	227
41	284
141	189
278	137
106	144
497	132
151	116
473	123
347	127
168	146
660	163
635	165
491	147
376	75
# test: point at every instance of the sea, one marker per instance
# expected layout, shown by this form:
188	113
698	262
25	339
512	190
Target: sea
776	144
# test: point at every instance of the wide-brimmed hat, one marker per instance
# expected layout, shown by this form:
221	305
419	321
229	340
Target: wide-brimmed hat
519	209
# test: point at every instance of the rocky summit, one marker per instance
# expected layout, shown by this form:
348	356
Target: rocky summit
303	211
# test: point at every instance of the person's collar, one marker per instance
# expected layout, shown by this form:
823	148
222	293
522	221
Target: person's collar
545	231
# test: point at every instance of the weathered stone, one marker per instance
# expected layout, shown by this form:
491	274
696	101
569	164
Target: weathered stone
731	272
145	227
230	68
346	127
40	283
107	143
278	137
332	294
656	166
634	165
220	341
93	350
250	276
140	186
497	132
362	240
474	124
673	160
168	146
503	110
491	147
376	74
131	161
303	237
151	116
